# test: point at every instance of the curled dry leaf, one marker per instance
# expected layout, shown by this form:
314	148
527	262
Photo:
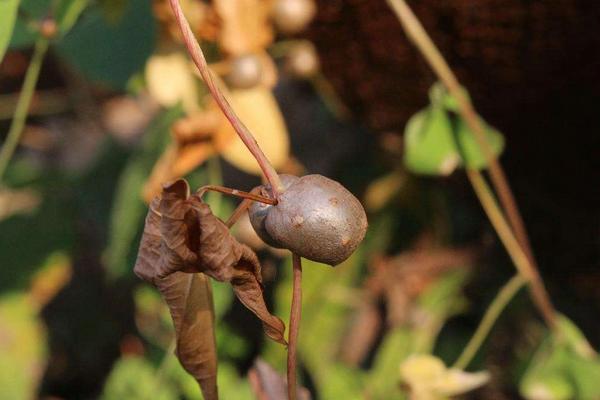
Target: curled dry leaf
182	235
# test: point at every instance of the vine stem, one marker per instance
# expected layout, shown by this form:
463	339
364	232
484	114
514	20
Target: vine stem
438	64
516	253
18	122
502	299
295	316
243	132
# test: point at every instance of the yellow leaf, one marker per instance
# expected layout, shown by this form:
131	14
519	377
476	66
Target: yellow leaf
245	26
170	80
258	109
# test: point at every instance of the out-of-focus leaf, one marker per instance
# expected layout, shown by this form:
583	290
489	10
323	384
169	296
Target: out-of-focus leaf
233	387
182	234
245	26
170	80
118	50
113	10
25	35
564	367
126	218
22	253
430	147
343	383
429	379
152	316
8	11
22	347
382	381
134	378
18	201
436	145
545	378
50	279
575	338
259	110
268	384
469	149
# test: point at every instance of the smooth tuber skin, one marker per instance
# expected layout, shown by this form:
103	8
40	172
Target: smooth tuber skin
316	218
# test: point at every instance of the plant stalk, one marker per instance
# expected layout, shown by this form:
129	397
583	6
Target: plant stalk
519	258
243	132
18	122
295	315
421	39
502	299
423	42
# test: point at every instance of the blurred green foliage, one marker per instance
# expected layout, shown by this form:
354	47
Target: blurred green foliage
108	42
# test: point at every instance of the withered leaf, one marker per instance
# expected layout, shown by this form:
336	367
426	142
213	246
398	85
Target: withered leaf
182	235
189	297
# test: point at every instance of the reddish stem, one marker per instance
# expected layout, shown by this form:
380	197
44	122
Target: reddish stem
238	212
241	129
295	315
234	192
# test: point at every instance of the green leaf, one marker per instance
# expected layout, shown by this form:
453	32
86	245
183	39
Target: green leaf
134	378
383	380
469	148
575	337
564	367
430	147
127	216
22	348
8	16
118	51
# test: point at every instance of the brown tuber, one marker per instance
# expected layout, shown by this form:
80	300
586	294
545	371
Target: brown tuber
315	217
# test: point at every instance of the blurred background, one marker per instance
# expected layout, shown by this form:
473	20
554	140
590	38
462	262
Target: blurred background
328	87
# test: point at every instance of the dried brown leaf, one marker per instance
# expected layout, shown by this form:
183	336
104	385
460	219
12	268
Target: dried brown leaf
189	297
182	235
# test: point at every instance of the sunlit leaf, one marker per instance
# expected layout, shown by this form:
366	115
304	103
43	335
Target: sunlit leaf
429	379
8	11
259	111
170	80
22	347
